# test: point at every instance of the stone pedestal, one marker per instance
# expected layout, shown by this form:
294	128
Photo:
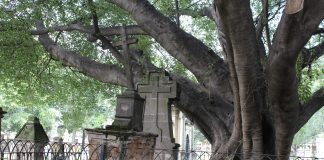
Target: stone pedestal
121	145
129	111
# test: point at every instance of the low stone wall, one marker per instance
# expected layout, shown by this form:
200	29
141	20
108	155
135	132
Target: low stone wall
121	144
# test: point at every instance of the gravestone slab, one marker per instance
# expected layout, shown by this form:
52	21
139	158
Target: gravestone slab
32	131
157	90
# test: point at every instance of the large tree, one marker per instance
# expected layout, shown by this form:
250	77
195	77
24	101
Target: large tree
244	99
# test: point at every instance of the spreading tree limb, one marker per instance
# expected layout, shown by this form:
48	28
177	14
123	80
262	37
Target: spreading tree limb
312	54
106	31
103	72
308	109
209	68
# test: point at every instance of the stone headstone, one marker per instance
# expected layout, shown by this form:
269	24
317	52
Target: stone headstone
157	90
129	112
33	131
123	139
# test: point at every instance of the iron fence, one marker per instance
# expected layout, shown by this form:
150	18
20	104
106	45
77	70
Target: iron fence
108	150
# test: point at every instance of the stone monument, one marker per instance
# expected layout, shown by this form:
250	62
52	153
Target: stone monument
34	132
123	139
157	90
129	112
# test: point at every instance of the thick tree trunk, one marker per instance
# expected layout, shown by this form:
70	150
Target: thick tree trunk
242	52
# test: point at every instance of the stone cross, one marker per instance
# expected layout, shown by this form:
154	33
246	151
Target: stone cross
157	90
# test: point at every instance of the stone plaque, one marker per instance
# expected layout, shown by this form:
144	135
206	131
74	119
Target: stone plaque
124	110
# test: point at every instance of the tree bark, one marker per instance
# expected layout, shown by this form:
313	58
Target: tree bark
106	73
292	34
106	31
242	56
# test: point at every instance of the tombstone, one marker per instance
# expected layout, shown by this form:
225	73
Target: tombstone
34	132
157	91
123	139
129	112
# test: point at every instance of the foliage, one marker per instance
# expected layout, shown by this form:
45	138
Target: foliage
34	84
311	80
312	128
308	78
198	138
14	120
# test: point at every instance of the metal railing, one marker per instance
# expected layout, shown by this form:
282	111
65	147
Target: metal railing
108	150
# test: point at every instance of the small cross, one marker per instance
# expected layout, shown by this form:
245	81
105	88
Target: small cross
154	88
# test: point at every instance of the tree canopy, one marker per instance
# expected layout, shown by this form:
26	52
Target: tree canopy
245	68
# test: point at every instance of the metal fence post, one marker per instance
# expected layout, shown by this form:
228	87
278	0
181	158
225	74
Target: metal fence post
103	151
1	116
61	149
187	148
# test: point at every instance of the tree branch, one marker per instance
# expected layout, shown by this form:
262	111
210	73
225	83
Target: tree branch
280	5
312	54
293	32
209	68
103	72
194	102
308	109
319	31
106	44
106	31
204	12
263	23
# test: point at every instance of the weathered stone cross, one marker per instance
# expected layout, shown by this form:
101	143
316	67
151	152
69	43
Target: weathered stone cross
157	91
